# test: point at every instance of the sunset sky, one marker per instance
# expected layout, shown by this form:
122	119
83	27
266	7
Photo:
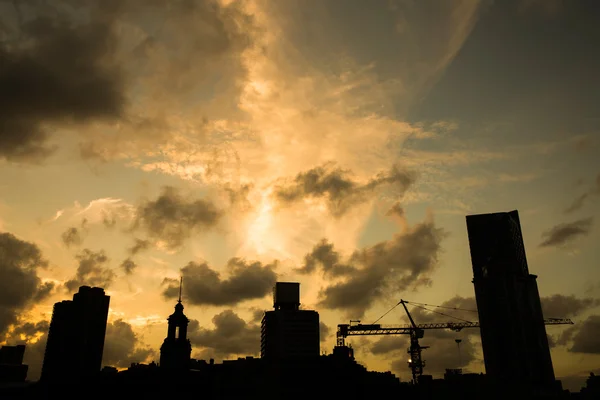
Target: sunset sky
338	143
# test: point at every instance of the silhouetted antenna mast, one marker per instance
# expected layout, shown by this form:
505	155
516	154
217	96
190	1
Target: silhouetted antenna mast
180	286
458	345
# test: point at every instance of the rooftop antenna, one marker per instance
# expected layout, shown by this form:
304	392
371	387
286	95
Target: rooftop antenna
180	286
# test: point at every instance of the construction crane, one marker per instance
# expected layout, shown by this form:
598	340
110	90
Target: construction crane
416	332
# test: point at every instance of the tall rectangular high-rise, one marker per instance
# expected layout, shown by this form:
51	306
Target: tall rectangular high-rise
288	332
76	335
513	335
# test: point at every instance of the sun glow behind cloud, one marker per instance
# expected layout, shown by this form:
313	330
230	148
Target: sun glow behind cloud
262	239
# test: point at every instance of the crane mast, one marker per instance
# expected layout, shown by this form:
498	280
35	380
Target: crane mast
415	362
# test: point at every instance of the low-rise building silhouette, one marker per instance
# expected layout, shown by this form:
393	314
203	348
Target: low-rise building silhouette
76	335
12	368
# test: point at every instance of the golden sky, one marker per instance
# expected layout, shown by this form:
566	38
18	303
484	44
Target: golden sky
335	143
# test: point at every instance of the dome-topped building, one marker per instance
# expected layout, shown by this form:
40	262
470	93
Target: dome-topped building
176	349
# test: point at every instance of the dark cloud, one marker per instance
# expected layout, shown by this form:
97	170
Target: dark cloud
92	271
396	210
25	332
28	330
115	211
42	86
72	237
173	218
580	201
577	203
338	188
116	52
584	338
323	256
401	263
324	331
204	286
565	233
44	290
128	265
123	346
560	306
140	245
20	285
168	61
564	337
257	315
551	341
388	344
231	335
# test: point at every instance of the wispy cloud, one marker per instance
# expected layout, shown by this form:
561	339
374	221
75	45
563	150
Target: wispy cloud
565	233
106	211
523	177
585	197
58	214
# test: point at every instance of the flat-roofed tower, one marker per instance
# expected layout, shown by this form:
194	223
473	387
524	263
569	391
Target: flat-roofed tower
76	335
513	334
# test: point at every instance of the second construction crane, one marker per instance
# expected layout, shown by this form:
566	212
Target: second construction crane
416	332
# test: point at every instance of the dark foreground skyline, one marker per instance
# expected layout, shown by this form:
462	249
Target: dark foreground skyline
334	143
515	344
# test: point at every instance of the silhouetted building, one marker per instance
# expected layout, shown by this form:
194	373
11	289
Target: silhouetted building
76	335
288	332
12	368
343	352
513	335
176	349
591	390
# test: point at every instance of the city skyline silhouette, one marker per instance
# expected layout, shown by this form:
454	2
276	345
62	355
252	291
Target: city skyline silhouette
514	339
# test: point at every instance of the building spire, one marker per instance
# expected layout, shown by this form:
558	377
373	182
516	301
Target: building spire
180	286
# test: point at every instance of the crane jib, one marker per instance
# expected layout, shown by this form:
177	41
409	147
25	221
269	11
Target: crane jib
376	329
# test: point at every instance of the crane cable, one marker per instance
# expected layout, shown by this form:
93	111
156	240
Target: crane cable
387	312
421	305
431	305
441	313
